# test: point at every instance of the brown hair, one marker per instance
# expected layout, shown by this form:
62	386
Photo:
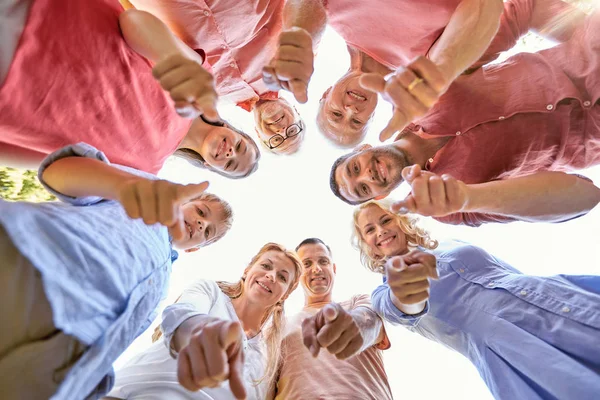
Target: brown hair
335	187
196	159
415	235
273	333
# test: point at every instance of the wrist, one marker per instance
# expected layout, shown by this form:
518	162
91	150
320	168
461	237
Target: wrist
409	309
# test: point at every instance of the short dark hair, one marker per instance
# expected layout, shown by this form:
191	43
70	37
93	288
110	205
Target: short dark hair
335	188
196	159
313	240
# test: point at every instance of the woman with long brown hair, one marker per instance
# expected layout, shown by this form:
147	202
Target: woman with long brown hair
217	332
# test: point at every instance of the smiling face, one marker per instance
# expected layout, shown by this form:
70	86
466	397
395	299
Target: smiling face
381	232
319	272
269	278
274	117
346	109
369	173
205	222
227	151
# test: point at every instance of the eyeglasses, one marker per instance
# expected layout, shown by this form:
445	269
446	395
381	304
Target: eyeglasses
291	131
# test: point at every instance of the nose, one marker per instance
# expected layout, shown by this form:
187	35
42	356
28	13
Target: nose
230	152
271	276
316	268
380	230
350	109
367	174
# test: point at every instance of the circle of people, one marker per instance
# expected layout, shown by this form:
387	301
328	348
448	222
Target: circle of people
98	94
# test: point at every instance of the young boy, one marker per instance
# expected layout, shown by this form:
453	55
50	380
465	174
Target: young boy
80	281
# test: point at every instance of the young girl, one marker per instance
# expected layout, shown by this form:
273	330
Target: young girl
82	72
529	337
82	280
216	321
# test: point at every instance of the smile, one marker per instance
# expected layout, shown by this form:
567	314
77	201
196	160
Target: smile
386	241
189	228
221	148
356	95
264	287
381	171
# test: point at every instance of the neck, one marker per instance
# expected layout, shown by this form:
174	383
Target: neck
196	135
360	61
318	301
250	315
419	150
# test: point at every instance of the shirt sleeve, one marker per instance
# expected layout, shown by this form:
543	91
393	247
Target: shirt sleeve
474	219
364	300
87	151
198	299
383	305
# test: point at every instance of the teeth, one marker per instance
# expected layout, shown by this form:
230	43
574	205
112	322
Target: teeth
263	286
386	241
356	96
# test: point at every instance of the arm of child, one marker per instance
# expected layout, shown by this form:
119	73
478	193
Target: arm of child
155	201
178	68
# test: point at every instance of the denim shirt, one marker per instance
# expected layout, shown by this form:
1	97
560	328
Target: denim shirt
103	273
529	336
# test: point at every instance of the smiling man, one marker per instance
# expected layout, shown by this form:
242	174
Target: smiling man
350	333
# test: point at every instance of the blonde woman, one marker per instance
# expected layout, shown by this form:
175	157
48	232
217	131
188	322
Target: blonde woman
529	337
217	332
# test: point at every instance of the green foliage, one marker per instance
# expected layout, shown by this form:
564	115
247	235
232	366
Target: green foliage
22	185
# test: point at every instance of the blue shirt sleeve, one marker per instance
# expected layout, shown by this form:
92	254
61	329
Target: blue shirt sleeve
81	150
383	305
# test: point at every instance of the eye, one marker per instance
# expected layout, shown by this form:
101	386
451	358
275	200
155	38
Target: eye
307	264
356	169
238	146
200	212
369	229
336	114
356	122
386	221
267	266
206	234
365	189
228	165
282	278
323	262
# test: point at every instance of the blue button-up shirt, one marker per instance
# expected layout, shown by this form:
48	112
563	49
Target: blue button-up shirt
530	337
103	273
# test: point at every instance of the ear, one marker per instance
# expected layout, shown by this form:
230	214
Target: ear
325	93
362	147
193	249
381	197
334	269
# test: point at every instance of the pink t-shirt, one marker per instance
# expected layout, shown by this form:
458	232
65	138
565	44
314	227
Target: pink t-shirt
303	377
393	32
239	38
533	112
74	79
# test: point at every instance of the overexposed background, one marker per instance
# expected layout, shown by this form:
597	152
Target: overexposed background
288	199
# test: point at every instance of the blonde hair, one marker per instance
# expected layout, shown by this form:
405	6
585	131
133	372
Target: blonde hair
227	220
415	235
273	333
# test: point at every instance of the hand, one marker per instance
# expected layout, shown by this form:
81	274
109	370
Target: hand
333	328
213	355
292	66
190	86
432	195
408	276
158	201
412	90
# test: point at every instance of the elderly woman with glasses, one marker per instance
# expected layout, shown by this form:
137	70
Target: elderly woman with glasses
280	130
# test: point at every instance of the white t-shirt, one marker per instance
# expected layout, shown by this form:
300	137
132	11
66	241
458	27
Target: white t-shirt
152	375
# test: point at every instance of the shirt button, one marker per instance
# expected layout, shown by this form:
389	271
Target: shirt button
232	65
523	292
431	160
490	284
501	117
566	309
224	46
206	13
458	133
549	107
462	270
587	103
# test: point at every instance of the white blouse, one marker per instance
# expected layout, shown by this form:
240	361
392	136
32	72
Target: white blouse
152	374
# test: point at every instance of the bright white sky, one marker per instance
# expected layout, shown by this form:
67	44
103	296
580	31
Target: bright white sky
288	199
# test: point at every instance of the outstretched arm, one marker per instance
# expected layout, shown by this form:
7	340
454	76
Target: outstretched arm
466	37
546	196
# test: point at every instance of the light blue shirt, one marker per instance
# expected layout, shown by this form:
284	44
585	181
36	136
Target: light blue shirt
530	337
103	273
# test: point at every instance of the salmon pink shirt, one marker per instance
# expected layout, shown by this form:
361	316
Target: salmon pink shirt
238	37
534	112
74	79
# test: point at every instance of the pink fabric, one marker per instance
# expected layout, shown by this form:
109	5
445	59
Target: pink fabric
239	38
75	79
393	32
534	112
359	377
